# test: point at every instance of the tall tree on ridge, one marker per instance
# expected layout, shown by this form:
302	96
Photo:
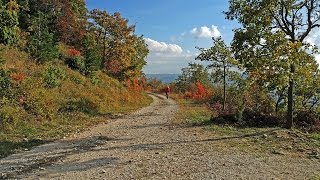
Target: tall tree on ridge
291	19
221	59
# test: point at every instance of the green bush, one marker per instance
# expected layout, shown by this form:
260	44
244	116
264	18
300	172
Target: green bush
94	79
9	30
5	83
52	76
76	63
9	115
5	119
75	79
80	105
35	107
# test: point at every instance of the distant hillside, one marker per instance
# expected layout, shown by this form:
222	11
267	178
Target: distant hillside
165	78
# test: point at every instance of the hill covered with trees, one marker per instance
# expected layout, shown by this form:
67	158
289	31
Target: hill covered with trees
64	68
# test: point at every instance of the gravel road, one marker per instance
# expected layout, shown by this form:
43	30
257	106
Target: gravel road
147	145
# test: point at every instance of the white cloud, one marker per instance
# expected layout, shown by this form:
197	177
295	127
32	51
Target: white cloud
166	58
318	58
167	65
314	39
159	48
206	32
183	34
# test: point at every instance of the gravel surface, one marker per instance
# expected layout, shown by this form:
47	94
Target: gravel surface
146	145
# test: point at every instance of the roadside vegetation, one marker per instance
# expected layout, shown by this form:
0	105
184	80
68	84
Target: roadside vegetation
268	76
257	140
64	69
265	86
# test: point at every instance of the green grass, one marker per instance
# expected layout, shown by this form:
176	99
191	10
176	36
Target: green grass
316	177
250	139
27	134
192	113
316	138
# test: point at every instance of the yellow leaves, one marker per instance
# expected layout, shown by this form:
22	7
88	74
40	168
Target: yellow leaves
12	6
124	50
295	45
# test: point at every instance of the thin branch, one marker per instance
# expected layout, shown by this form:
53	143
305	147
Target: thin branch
284	15
279	23
311	25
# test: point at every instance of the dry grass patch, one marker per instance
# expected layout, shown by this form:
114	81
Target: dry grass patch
253	140
49	101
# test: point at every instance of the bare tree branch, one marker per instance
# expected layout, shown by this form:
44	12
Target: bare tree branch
283	16
310	25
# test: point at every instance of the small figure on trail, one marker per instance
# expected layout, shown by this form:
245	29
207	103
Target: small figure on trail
167	90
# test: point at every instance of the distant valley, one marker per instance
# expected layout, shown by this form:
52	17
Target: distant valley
165	78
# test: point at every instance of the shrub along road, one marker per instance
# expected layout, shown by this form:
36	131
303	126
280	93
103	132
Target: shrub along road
147	145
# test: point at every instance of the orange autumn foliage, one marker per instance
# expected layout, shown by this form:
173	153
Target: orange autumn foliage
17	77
73	52
134	85
199	93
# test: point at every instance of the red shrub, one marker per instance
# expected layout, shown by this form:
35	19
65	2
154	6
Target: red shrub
199	93
17	76
73	52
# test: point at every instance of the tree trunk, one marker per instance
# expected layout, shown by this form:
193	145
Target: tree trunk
289	123
103	65
224	87
278	104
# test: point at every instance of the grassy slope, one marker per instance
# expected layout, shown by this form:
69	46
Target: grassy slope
266	140
36	114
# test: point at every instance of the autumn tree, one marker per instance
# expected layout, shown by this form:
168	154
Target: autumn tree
307	91
67	19
200	92
221	60
122	51
291	21
71	21
138	60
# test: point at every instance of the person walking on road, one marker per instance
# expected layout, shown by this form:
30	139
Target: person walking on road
167	90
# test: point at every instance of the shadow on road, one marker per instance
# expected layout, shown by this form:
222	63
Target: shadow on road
59	150
152	146
45	155
10	147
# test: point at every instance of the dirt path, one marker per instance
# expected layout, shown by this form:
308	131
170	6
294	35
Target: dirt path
146	145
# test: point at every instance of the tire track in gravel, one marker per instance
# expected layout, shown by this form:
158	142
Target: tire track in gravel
146	145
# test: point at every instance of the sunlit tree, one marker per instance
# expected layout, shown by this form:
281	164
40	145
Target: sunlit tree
288	21
221	60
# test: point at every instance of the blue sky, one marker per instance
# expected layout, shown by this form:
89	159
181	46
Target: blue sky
172	28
